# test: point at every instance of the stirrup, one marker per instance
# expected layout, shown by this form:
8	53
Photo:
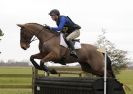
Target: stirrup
73	53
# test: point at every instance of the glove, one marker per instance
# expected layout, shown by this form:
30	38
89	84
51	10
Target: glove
47	27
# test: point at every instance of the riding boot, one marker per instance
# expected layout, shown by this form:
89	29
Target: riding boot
72	49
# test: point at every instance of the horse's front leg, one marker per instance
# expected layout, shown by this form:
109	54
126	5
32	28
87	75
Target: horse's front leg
36	56
49	57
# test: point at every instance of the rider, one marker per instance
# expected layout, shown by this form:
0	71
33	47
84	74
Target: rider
67	27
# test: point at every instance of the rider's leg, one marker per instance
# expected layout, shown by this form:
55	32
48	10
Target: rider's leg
69	39
72	49
73	35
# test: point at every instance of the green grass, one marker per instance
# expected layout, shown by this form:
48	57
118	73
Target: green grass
15	80
126	77
15	91
16	70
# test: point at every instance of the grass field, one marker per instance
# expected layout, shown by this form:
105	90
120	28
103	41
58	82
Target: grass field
15	80
126	77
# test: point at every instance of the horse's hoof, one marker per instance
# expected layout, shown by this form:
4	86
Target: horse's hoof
53	71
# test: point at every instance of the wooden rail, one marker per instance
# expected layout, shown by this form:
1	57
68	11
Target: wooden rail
6	86
67	70
35	74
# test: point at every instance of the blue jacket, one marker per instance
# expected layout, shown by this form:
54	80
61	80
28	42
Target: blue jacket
65	21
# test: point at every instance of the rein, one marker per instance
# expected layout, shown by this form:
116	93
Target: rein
34	38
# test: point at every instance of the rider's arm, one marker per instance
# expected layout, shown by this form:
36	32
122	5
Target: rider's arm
61	25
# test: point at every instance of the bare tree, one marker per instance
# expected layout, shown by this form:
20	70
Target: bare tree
118	57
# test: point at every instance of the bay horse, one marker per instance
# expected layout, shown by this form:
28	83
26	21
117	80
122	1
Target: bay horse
91	60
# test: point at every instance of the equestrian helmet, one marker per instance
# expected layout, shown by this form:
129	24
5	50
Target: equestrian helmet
54	12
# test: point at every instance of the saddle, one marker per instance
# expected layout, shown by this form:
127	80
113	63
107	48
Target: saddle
63	42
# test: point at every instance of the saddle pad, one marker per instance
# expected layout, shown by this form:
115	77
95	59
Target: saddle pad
77	44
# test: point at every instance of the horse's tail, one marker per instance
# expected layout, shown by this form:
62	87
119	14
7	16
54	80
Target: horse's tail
109	66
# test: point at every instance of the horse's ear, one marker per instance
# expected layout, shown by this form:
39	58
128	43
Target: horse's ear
20	25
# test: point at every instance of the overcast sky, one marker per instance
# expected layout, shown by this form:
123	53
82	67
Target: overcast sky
116	16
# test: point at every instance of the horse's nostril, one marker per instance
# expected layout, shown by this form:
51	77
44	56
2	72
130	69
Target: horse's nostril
24	48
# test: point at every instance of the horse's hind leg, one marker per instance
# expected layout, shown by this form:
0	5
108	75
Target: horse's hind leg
87	68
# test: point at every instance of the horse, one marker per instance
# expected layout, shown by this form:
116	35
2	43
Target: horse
91	60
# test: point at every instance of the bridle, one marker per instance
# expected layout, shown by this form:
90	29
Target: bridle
34	37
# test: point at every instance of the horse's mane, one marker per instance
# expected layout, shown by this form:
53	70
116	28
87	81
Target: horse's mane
50	31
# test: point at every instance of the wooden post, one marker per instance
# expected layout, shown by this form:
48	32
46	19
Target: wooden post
59	74
48	74
34	76
80	74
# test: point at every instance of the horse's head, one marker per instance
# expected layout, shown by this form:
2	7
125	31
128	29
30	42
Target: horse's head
28	30
25	36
